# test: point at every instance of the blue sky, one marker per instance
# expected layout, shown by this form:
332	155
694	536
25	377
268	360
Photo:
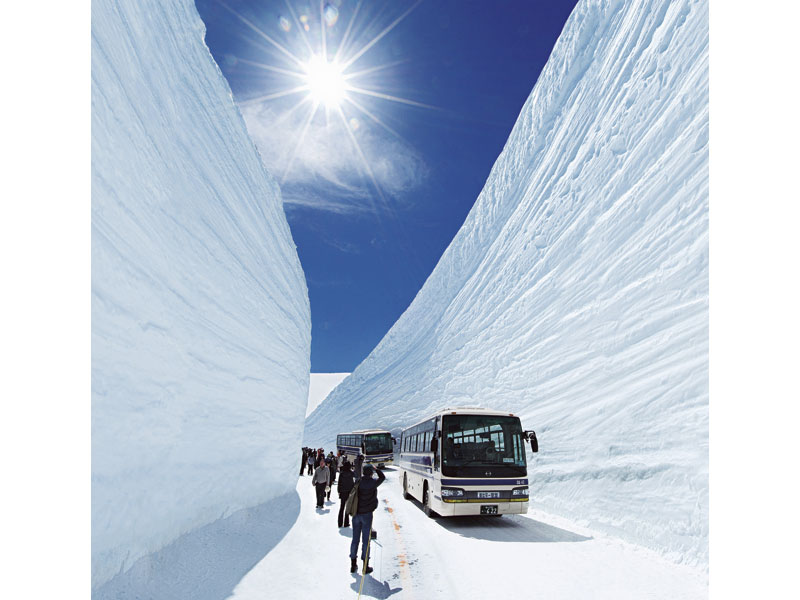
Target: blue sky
377	176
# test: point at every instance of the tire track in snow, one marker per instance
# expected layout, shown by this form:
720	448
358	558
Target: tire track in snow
401	556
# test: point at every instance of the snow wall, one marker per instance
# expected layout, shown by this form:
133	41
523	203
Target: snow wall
201	326
576	292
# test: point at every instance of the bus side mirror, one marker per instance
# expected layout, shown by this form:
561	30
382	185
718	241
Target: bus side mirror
434	445
531	436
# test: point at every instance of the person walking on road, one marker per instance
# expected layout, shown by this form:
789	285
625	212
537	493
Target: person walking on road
362	520
345	485
303	462
331	476
321	480
310	463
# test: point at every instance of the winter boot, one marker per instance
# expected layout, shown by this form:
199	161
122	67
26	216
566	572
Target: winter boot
353	565
367	568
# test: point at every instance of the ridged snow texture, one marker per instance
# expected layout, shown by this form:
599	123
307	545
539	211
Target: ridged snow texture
200	315
576	293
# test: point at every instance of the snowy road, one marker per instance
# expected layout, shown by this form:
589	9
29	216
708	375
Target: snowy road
465	557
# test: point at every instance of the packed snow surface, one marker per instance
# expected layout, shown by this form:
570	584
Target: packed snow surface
480	557
265	553
576	292
200	314
320	385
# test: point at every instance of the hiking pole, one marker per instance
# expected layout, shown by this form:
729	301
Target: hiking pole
364	567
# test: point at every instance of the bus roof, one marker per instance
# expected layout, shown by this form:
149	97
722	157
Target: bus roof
366	431
462	410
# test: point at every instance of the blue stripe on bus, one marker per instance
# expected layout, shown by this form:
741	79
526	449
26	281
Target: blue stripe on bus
417	460
484	482
426	476
369	457
416	468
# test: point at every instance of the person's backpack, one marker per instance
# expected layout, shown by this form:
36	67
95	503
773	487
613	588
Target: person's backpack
351	506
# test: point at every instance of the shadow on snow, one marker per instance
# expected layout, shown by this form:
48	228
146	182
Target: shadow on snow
509	528
372	588
208	563
505	528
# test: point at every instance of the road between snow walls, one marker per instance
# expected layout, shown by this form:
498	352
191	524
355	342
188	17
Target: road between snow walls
576	293
416	557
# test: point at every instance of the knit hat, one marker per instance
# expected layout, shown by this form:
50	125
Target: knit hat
368	470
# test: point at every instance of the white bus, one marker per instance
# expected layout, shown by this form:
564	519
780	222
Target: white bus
467	461
374	444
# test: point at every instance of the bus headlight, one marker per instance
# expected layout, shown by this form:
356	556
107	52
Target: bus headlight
521	491
452	492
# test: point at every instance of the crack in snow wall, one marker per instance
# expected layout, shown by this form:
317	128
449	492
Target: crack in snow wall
576	292
200	316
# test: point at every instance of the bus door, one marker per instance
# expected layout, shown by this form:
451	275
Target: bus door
437	446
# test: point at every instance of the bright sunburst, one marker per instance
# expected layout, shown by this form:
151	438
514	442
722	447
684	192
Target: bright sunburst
325	81
311	56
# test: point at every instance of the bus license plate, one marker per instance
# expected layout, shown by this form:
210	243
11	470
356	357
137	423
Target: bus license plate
488	494
488	509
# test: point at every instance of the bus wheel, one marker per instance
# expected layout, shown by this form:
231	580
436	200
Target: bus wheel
405	486
426	501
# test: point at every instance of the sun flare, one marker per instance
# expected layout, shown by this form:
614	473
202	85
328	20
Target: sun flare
326	77
325	81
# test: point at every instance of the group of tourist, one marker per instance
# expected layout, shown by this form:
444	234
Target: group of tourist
324	471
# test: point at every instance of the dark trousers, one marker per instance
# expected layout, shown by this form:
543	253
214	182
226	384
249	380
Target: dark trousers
302	467
362	525
320	493
342	513
310	469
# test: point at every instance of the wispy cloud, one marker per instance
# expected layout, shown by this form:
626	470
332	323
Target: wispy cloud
319	165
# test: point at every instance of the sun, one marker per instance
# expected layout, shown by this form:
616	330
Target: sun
325	80
324	72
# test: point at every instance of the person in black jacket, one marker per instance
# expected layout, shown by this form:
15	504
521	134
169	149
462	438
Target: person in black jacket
357	466
362	520
344	487
303	461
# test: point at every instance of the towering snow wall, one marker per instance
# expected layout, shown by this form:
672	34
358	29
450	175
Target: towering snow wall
200	315
576	292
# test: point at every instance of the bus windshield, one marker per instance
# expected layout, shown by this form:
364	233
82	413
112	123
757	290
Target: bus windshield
474	445
378	443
